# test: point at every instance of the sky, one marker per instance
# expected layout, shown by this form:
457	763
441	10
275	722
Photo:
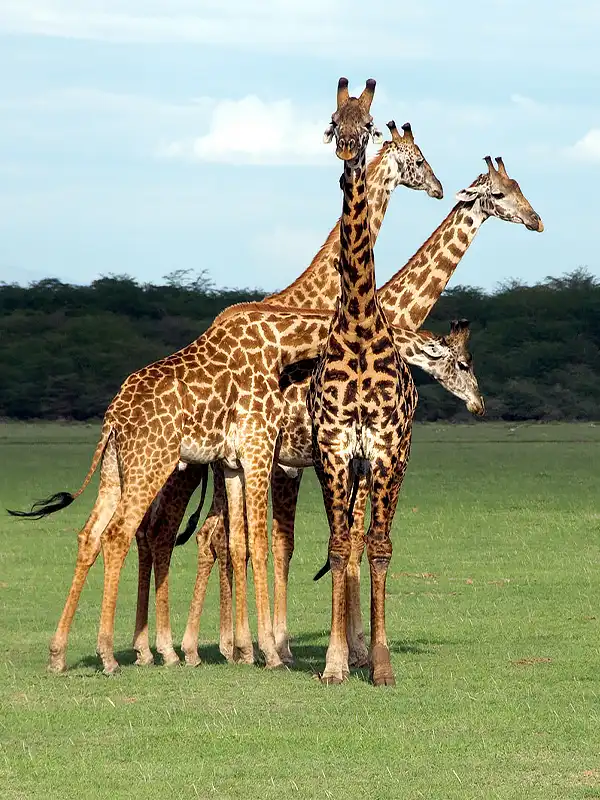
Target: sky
142	137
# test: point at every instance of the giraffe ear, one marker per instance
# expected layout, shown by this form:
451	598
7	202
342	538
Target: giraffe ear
376	136
328	135
434	348
470	194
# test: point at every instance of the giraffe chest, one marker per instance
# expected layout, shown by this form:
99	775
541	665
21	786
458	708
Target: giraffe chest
358	383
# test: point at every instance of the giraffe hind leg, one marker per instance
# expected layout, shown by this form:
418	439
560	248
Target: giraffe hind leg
138	491
141	640
207	538
88	547
284	494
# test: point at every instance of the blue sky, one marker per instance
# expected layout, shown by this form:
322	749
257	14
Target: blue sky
144	137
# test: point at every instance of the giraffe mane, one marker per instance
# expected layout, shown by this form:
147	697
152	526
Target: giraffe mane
270	308
436	233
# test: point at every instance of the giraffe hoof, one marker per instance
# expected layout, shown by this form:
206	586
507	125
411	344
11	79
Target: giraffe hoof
227	655
333	678
383	680
381	672
57	664
110	670
171	659
243	655
192	659
285	654
144	659
272	661
358	658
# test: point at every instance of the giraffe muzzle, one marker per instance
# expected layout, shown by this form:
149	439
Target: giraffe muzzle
436	192
346	149
476	407
535	224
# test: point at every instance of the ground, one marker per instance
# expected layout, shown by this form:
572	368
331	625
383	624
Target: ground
493	616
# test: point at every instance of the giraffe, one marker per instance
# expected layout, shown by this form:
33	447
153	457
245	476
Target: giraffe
361	400
407	299
399	162
216	399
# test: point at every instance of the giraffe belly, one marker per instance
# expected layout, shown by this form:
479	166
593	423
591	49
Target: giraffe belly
295	444
193	451
295	449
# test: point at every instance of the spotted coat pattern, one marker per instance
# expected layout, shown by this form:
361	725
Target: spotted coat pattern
218	399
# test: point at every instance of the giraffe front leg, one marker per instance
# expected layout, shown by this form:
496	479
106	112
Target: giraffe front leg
284	496
333	476
243	652
189	643
172	503
141	639
257	473
358	652
220	551
384	498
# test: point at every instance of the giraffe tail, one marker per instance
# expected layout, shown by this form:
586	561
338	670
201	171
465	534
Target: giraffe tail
188	532
60	500
323	571
360	468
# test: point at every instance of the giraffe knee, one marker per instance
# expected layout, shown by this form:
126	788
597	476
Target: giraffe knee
338	561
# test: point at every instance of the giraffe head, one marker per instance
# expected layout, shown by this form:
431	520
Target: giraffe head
448	360
351	122
500	196
414	171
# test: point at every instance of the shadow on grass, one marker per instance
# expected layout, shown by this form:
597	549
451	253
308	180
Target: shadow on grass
396	646
126	658
309	657
209	654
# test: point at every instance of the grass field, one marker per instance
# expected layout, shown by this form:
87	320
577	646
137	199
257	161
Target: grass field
493	616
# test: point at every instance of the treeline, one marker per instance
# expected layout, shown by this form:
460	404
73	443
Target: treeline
65	349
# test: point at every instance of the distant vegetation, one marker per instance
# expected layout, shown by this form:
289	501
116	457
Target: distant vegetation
64	349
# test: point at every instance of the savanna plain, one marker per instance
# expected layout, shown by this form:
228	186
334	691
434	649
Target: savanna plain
493	619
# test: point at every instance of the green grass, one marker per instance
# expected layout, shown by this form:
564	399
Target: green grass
493	617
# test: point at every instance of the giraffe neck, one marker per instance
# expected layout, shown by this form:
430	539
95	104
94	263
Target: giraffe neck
319	285
408	297
357	304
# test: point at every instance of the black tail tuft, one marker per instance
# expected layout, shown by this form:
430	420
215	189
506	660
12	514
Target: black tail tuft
323	571
42	508
189	529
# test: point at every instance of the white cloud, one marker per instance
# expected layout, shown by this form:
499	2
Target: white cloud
587	148
252	131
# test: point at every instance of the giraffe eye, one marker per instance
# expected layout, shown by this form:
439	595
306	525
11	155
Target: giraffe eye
498	195
419	162
463	365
